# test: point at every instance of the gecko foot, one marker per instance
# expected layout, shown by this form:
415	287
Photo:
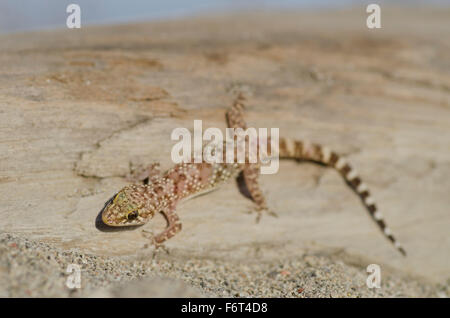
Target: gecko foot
151	237
260	211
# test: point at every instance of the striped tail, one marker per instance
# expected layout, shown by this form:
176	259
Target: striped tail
306	151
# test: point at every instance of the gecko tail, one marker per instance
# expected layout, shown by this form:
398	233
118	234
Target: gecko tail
295	149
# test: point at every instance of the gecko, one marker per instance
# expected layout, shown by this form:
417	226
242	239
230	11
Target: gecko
137	203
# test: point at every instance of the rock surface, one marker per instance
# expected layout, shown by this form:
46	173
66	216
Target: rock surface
78	108
35	269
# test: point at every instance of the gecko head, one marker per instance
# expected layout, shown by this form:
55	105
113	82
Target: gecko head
127	208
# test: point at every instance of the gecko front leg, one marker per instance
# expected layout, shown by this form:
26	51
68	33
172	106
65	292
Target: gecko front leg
143	174
173	225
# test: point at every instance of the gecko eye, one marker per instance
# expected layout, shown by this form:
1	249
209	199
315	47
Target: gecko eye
132	215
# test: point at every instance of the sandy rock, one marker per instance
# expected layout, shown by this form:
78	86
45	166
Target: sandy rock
78	109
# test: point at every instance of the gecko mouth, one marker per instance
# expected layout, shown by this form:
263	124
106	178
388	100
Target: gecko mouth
107	203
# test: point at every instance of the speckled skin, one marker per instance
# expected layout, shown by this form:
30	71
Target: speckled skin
136	204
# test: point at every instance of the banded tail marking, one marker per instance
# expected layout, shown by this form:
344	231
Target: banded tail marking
296	149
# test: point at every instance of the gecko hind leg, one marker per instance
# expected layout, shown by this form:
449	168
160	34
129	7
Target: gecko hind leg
235	119
250	174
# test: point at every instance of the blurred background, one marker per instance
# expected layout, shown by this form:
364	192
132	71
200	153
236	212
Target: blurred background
23	15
